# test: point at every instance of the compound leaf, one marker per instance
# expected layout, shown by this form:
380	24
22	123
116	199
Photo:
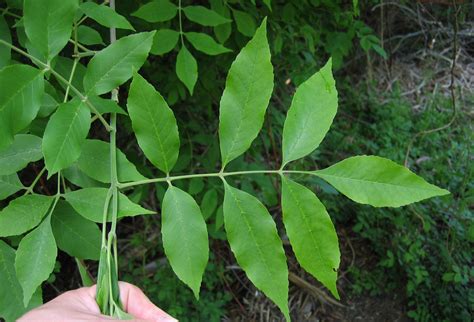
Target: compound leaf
105	16
9	184
164	41
205	43
378	182
25	148
114	65
185	237
311	233
89	203
74	234
154	124
65	134
11	294
204	16
311	114
157	11
23	214
20	99
254	240
95	162
48	24
246	95
187	68
35	258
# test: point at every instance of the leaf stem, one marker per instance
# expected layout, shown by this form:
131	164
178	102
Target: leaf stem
61	79
213	174
180	9
33	184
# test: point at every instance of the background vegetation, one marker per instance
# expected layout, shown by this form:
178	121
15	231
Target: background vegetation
405	75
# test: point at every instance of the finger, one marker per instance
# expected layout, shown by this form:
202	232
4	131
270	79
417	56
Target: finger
137	304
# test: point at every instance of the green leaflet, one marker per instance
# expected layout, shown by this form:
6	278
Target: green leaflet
209	203
11	294
74	175
311	114
378	182
185	237
245	23
9	184
86	279
20	99
254	240
246	95
95	162
89	36
156	11
154	124
205	43
48	106
23	214
164	41
187	68
105	16
35	258
104	105
204	16
5	52
311	233
65	134
74	234
25	148
89	203
223	31
114	65
48	24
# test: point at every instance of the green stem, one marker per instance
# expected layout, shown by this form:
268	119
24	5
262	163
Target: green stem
71	76
180	9
33	184
206	175
61	79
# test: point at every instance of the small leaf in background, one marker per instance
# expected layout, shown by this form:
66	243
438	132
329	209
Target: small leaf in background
9	184
89	36
164	41
378	182
25	148
74	234
254	240
5	51
35	258
95	162
195	186
114	65
75	176
154	124
204	16
209	203
11	294
311	233
246	95
185	237
223	31
311	114
89	203
156	11
245	23
104	105
23	214
48	24
48	106
65	134
105	15
268	3
187	68
20	99
205	43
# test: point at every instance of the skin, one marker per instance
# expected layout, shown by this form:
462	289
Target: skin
80	305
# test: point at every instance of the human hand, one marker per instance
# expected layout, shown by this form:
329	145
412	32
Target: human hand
80	305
